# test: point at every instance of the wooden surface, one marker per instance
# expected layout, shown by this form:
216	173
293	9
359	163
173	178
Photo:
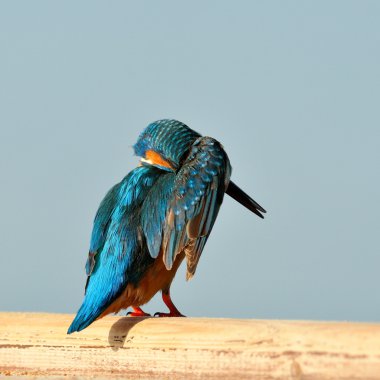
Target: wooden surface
175	348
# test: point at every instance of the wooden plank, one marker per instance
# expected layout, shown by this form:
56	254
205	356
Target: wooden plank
156	348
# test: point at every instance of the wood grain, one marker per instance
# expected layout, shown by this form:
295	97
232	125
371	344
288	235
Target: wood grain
189	348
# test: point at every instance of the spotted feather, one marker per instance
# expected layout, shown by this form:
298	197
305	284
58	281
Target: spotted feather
189	204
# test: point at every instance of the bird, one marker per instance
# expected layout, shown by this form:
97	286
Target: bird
160	214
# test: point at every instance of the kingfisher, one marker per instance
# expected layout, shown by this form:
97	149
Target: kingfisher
160	214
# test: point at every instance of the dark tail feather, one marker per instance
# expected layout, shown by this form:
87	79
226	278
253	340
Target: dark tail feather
244	199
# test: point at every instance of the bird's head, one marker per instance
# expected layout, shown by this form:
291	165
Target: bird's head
165	143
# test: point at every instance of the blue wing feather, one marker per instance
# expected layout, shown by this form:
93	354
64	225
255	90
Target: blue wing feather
119	251
189	204
154	210
100	227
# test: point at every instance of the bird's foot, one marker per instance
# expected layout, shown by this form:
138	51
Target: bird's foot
137	312
134	314
173	311
171	314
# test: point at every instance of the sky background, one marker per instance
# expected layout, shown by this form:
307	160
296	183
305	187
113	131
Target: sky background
290	88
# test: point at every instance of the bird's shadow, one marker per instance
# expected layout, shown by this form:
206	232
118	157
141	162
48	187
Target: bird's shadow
119	332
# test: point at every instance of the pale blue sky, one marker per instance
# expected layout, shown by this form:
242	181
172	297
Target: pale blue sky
292	90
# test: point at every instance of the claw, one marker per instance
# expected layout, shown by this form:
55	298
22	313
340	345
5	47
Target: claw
174	312
137	312
163	315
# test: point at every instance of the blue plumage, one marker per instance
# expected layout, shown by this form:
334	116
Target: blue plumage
169	138
160	213
117	248
199	188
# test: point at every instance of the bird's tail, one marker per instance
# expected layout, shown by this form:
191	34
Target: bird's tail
87	314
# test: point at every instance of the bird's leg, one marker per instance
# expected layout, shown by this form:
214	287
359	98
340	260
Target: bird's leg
137	312
174	312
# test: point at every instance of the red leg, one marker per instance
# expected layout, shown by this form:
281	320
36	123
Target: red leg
174	312
137	312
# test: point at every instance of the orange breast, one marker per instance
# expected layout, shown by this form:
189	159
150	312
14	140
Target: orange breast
156	278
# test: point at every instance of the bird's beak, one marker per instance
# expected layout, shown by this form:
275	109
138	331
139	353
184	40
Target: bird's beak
244	199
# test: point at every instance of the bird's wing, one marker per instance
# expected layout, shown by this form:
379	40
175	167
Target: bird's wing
117	260
179	213
100	227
